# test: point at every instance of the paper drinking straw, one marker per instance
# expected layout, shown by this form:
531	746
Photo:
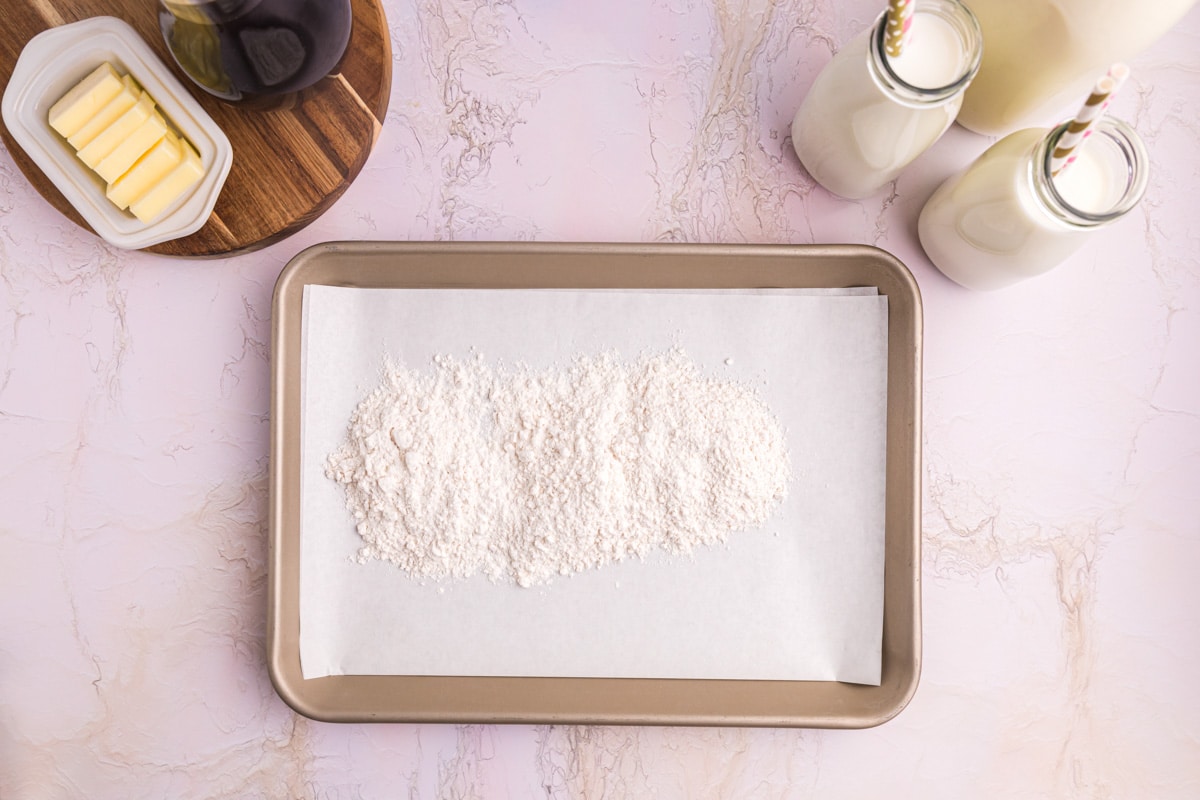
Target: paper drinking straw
899	26
1080	128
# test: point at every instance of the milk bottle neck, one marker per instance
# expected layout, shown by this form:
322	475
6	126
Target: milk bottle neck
886	71
1116	158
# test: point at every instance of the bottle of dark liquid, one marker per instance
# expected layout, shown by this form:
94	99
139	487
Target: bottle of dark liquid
255	51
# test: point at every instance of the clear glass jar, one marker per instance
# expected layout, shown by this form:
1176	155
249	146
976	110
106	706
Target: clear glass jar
868	116
256	52
1006	218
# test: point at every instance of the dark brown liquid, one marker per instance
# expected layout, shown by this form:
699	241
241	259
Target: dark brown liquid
250	51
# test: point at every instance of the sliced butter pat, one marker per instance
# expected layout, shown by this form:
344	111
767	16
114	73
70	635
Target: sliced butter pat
118	132
87	97
145	136
170	188
121	102
149	170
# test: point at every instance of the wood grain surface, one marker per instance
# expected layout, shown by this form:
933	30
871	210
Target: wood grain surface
289	164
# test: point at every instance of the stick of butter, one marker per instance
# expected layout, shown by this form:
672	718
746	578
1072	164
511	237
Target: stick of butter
118	105
170	188
123	156
158	161
118	132
88	96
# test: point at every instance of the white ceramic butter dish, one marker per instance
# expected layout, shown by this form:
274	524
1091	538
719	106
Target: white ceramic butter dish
49	66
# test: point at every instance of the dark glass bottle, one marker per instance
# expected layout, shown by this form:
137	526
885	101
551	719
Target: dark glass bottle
255	51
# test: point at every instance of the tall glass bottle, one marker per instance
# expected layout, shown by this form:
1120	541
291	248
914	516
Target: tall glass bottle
1006	217
1043	55
869	115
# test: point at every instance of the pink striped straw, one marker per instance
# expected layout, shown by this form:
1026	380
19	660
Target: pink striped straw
1080	127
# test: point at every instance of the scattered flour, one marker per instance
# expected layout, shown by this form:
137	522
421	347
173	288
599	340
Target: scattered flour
523	475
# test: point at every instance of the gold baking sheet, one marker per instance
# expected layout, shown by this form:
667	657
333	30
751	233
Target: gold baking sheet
602	700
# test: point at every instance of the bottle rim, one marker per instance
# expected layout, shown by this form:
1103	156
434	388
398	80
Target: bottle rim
964	22
1125	142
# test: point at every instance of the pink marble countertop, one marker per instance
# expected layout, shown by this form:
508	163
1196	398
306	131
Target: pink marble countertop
1061	438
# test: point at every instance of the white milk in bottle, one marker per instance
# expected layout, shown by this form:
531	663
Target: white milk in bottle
1006	218
869	115
1040	55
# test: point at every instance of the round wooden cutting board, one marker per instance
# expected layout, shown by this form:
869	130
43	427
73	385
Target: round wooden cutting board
289	165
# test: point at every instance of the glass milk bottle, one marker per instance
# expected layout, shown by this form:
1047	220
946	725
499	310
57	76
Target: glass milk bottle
1040	55
1006	217
868	115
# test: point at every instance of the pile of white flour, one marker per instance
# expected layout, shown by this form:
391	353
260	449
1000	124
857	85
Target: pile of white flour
521	474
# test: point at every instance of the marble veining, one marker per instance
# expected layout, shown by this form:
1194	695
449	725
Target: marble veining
1061	438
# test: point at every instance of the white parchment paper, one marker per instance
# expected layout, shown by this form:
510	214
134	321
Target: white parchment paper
800	599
